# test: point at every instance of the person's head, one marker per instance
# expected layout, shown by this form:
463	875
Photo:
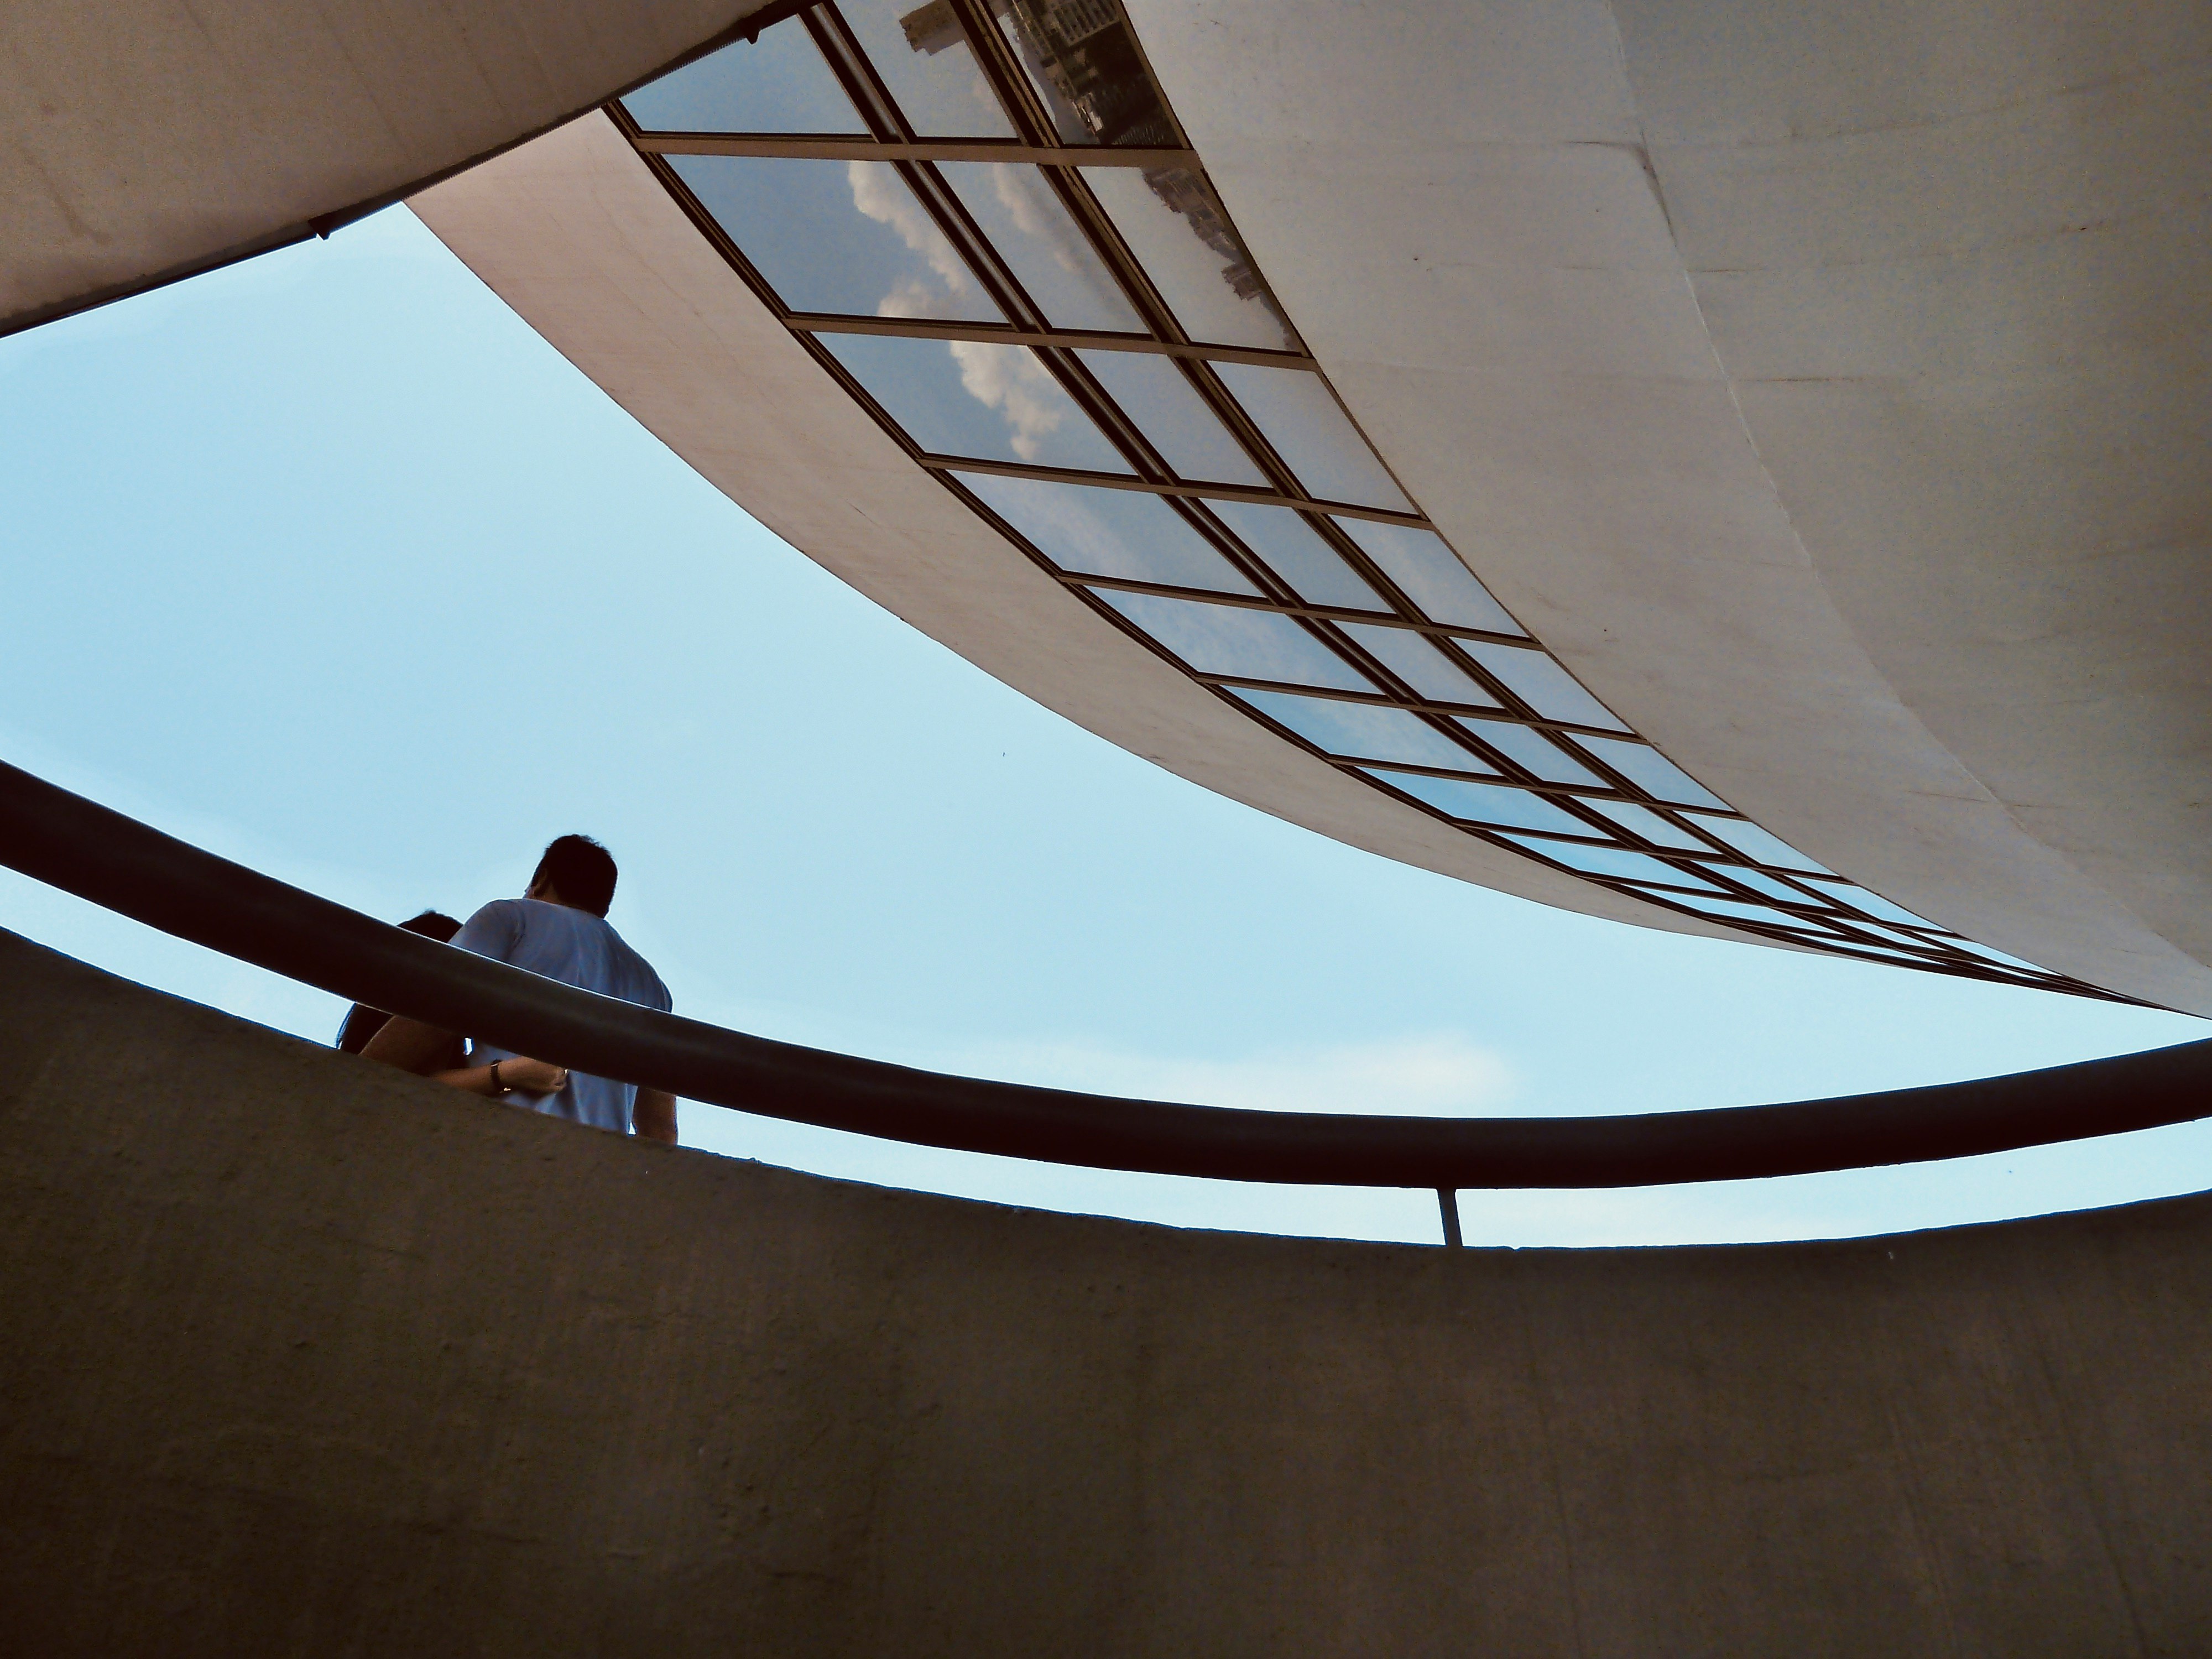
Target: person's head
577	872
433	924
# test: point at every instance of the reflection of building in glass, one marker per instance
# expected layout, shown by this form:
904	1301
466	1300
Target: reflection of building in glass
932	28
1083	61
1186	192
1189	195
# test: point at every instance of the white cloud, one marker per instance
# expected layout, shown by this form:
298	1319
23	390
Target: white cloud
878	192
1011	379
1017	190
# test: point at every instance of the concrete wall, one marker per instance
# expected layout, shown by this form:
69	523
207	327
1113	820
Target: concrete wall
300	1357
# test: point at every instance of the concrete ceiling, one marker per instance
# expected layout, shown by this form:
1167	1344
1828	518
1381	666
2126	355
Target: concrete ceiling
1826	384
144	140
576	233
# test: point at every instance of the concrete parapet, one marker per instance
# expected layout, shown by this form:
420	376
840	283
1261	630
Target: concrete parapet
304	1357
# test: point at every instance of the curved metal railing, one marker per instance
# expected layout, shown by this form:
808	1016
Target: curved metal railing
127	866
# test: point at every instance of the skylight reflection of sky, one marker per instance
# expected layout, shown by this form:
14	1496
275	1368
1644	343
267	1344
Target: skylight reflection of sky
1020	216
1288	544
971	398
778	83
268	527
844	237
1109	532
930	70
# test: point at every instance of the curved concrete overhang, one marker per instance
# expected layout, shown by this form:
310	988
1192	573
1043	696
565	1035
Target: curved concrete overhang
1826	389
145	140
576	235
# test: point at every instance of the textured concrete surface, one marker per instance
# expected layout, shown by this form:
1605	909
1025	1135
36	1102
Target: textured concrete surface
145	138
302	1357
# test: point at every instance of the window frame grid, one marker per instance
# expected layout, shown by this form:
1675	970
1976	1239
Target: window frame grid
1061	165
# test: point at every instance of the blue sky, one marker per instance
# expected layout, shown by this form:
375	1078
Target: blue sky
328	563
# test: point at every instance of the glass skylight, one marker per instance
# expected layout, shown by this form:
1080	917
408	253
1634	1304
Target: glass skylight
983	218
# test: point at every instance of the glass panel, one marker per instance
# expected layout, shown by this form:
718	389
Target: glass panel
1773	886
1882	950
1525	746
1363	732
1300	417
1540	682
1994	955
1729	910
1873	904
997	403
1079	57
1413	659
1642	820
1610	861
1287	543
1030	228
778	83
1254	645
1181	236
1430	574
924	57
1651	772
1091	531
1894	936
1754	842
1154	393
845	237
1487	803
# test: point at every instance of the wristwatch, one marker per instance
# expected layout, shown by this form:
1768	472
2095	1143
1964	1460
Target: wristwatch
497	1087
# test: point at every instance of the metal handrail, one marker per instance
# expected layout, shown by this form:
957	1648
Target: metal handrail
85	848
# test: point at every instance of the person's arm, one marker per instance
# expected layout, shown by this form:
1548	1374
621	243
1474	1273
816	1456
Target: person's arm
653	1116
428	1052
505	1077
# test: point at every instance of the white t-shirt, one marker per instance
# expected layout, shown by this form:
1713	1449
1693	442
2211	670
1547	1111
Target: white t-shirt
577	948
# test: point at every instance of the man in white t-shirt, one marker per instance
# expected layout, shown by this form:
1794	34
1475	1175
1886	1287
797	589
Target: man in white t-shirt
558	928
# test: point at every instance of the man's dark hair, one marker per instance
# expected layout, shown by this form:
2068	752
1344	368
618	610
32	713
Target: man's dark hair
581	870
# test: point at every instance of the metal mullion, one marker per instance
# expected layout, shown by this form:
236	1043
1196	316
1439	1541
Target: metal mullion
844	147
1418	706
1945	953
1321	523
1101	608
995	58
1292	607
1119	428
841	50
1669	812
1106	241
1435	810
1612	882
1241	427
1052	569
1203	491
718	239
969	241
1496	780
929	328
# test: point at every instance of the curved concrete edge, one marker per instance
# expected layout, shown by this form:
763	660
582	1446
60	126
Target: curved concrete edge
1460	209
305	1356
575	232
142	141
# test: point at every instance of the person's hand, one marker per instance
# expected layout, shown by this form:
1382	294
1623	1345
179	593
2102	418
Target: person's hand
532	1077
